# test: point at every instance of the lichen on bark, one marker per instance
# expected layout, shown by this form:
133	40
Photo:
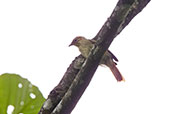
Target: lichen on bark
66	94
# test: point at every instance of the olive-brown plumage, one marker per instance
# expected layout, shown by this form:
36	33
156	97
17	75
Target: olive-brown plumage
84	45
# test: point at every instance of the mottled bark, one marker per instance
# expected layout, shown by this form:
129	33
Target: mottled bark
63	98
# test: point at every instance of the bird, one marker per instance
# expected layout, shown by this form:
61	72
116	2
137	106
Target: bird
85	45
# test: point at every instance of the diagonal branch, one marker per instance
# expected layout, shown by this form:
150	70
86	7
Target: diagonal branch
66	94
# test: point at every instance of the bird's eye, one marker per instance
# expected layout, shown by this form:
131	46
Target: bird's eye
75	40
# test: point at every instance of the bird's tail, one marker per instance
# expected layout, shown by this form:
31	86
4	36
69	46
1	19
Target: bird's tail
116	72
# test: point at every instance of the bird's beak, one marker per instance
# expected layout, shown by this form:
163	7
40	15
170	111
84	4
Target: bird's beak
71	44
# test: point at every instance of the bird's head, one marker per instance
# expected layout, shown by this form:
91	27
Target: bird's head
77	41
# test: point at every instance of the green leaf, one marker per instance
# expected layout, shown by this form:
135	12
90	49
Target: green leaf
20	93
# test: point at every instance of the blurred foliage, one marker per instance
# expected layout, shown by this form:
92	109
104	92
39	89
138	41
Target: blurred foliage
20	94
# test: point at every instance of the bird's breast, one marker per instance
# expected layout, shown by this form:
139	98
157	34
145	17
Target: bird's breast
85	49
85	52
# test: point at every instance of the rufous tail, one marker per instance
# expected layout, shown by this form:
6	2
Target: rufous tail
116	72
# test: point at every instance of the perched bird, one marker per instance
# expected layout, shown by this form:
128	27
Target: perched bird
85	45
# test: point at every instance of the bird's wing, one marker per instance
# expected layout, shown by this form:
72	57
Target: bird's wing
93	41
113	56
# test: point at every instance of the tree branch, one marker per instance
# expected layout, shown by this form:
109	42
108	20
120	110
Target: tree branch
66	94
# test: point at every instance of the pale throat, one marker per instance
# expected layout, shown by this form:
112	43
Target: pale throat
85	48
